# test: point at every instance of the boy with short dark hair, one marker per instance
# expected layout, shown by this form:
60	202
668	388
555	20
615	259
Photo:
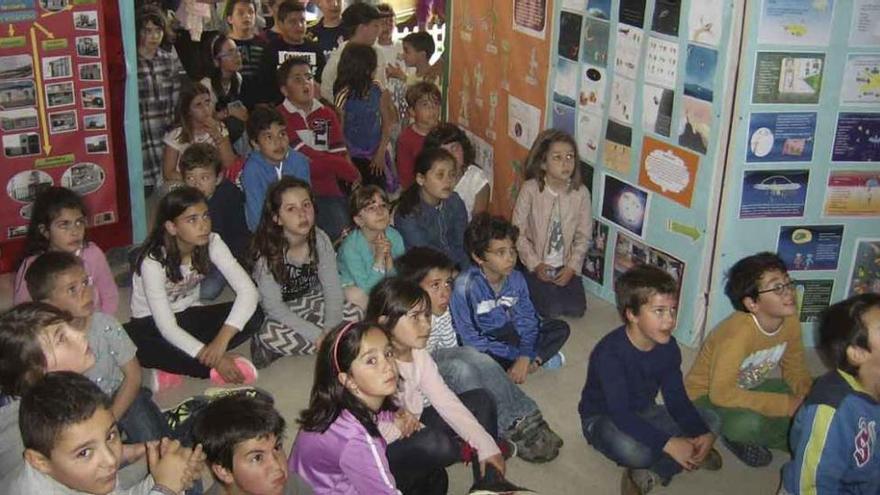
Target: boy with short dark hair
271	159
201	168
619	414
731	373
72	445
418	48
491	307
290	18
423	109
242	438
328	30
834	434
241	16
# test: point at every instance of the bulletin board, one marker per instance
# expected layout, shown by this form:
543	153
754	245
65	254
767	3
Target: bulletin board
803	177
57	121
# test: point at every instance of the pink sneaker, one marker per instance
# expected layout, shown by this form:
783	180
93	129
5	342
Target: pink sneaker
247	368
162	380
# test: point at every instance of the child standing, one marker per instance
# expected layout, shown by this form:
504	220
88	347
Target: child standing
418	48
834	434
58	223
328	30
171	330
241	18
201	169
225	85
552	213
473	183
430	213
423	108
314	131
195	124
296	274
361	23
627	368
367	114
270	160
367	253
491	307
464	368
338	448
731	372
291	22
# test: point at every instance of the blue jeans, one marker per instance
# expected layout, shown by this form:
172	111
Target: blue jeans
629	452
143	421
331	215
212	285
465	368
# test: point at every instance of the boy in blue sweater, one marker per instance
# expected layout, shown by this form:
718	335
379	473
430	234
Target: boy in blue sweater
272	158
619	415
491	307
834	434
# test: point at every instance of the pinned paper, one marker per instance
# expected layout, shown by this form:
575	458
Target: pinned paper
668	170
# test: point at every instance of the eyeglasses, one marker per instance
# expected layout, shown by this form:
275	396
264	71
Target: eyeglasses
779	288
375	208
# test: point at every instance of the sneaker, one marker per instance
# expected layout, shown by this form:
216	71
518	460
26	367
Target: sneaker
247	369
261	355
752	455
214	393
713	461
638	481
551	435
554	363
529	434
493	483
160	380
184	412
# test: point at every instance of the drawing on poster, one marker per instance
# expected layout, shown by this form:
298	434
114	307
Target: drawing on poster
668	170
630	252
625	205
699	72
595	45
86	20
16	67
813	297
852	193
93	98
704	22
563	118
18	145
90	72
57	68
95	122
865	28
864	273
600	9
861	79
796	22
569	42
657	109
627	52
810	247
19	119
788	77
17	94
61	122
623	98
594	261
781	137
695	126
632	12
97	144
661	62
565	86
54	5
589	136
773	193
857	138
592	94
530	17
524	121
88	46
666	17
25	186
484	155
618	146
59	94
83	178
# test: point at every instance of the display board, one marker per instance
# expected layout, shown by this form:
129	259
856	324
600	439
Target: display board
803	177
56	123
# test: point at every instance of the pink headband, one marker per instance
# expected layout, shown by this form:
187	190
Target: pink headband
336	344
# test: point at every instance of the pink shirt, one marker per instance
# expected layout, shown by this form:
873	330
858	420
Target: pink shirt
106	293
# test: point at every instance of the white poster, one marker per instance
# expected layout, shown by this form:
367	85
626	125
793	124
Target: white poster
704	21
524	121
861	79
865	29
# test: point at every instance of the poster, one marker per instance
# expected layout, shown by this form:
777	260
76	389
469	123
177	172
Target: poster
569	43
618	146
625	205
810	247
592	93
773	193
796	22
661	62
657	109
668	170
627	51
852	193
695	127
54	101
632	12
666	17
857	138
565	86
530	17
623	100
562	118
524	121
781	137
630	252
595	45
699	72
704	21
865	29
600	9
864	273
861	79
594	261
813	297
788	77
589	136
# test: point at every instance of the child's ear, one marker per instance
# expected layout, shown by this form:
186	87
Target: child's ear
283	90
477	259
170	227
344	379
358	220
630	316
222	474
749	303
383	320
856	355
420	180
38	461
43	230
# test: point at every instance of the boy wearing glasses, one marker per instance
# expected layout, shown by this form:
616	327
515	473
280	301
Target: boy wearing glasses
731	372
59	279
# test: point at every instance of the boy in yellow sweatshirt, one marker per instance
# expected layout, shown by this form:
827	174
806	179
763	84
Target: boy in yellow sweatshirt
731	372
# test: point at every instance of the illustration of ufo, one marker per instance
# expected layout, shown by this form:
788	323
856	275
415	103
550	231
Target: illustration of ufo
777	185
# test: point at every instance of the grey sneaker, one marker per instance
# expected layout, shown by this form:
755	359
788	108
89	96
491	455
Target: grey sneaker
638	481
534	440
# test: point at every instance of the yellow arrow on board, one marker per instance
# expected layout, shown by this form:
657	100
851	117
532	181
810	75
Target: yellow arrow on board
66	8
38	78
11	30
44	30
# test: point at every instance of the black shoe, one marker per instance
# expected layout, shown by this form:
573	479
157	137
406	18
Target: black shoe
493	483
752	455
260	355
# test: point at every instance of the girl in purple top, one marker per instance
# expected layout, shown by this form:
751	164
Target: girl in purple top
58	223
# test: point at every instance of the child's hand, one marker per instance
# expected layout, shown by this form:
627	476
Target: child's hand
682	450
564	276
519	370
194	467
228	370
240	112
702	445
497	461
542	270
168	463
211	354
406	423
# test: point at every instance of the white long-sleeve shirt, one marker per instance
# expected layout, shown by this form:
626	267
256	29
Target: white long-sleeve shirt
152	294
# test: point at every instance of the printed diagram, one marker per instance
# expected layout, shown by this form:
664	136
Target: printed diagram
778	187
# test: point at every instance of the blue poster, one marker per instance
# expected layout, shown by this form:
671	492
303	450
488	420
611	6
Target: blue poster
773	193
600	9
781	137
563	118
12	11
857	138
625	204
810	247
699	72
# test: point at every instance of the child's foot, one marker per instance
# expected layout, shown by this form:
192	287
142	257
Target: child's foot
554	363
494	482
713	461
260	355
534	440
247	369
160	380
182	414
638	481
752	455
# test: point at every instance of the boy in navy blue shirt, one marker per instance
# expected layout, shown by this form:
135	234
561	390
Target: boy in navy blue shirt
619	415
